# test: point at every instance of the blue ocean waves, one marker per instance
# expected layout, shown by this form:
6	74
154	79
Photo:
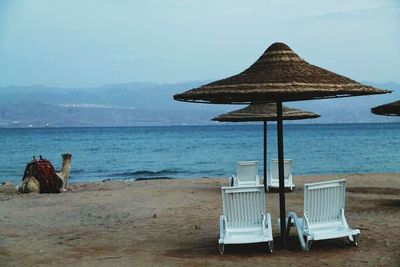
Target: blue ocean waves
200	151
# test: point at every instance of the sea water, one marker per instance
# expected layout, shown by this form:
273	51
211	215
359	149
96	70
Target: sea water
200	151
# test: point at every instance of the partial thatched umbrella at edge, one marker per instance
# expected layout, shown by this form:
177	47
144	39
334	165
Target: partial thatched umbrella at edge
264	112
390	109
279	75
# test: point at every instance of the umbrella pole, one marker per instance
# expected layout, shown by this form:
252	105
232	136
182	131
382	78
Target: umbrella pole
281	173
265	156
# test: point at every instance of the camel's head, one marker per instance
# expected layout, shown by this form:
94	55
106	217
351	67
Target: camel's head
66	156
65	167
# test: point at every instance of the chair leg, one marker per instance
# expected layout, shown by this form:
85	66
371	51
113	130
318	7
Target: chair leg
305	240
308	244
356	237
271	246
288	225
221	249
355	240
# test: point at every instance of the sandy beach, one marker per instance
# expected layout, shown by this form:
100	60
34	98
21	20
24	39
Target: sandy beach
175	223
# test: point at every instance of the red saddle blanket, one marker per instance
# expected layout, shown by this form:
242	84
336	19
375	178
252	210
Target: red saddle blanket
44	172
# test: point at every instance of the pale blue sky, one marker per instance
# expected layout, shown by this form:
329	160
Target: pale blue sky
94	42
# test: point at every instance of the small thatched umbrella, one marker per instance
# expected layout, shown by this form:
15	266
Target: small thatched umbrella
391	109
279	75
264	112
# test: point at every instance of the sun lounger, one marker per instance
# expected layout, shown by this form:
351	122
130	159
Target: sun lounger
273	178
323	214
244	218
247	174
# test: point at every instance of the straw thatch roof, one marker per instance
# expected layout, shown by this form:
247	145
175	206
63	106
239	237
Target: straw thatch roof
264	112
278	75
391	109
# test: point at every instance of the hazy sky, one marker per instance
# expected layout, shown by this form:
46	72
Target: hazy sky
94	42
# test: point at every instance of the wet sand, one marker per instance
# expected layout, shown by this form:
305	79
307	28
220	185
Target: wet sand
176	223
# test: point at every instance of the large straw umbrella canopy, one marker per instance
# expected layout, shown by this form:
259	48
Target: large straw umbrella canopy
264	112
279	75
390	109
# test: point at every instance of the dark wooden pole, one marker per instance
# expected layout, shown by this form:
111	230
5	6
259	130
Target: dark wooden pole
265	156
281	174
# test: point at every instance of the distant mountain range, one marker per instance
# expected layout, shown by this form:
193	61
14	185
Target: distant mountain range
137	104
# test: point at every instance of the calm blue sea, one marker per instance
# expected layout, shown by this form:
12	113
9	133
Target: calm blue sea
200	151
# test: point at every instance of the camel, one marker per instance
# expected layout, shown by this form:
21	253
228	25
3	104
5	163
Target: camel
31	184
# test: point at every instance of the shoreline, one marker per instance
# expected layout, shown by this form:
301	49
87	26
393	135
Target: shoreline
205	177
175	222
226	177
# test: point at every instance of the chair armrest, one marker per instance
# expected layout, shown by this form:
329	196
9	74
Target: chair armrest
344	221
230	180
222	226
306	222
268	180
233	180
264	224
269	177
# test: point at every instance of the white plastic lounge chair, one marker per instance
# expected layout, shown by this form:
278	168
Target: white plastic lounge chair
247	174
244	218
273	178
323	214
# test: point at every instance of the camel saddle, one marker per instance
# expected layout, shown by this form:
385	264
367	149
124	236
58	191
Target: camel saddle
45	174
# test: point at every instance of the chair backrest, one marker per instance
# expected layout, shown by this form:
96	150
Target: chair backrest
323	201
247	172
287	168
243	206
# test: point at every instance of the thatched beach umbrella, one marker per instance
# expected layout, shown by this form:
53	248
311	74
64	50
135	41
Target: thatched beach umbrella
279	75
264	112
391	109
